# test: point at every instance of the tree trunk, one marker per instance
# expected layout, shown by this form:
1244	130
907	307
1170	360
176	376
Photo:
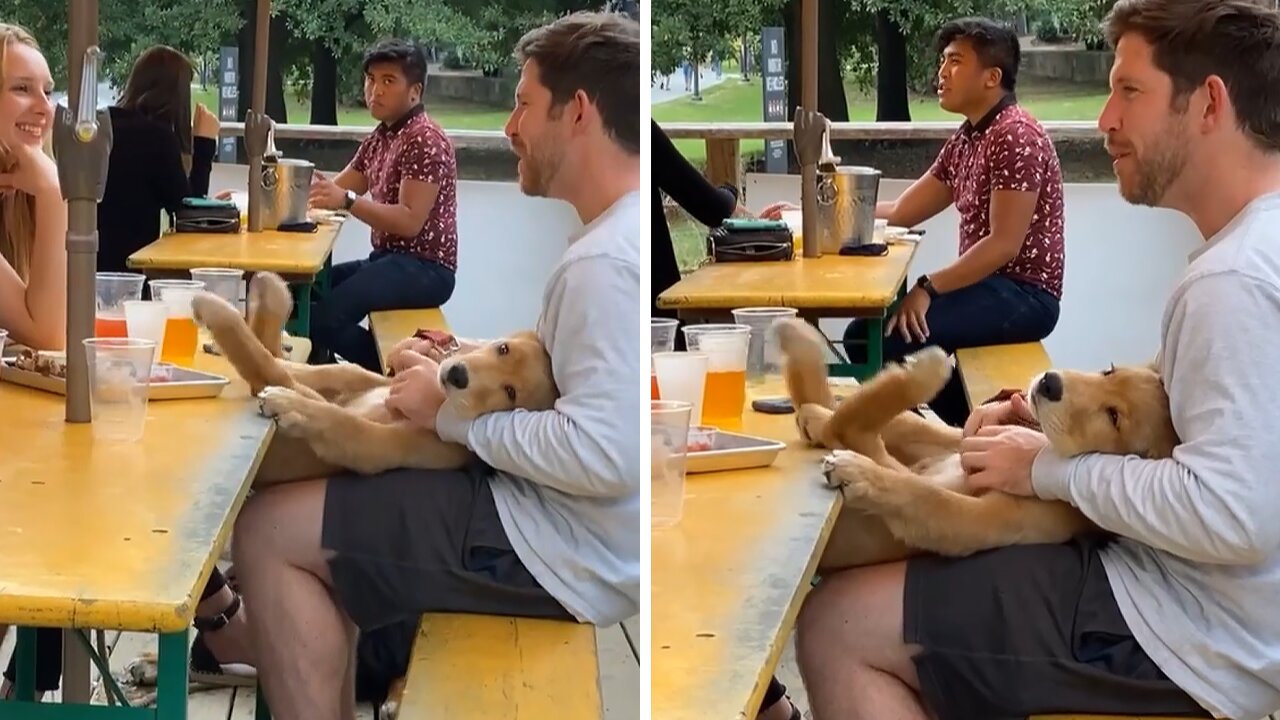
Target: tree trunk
324	85
891	72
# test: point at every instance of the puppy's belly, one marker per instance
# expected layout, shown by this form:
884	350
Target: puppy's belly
945	472
371	405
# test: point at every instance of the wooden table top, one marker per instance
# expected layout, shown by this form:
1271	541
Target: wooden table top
120	536
824	283
729	578
291	254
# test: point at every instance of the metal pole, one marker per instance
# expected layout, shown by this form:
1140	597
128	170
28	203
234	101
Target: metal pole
82	143
256	120
809	104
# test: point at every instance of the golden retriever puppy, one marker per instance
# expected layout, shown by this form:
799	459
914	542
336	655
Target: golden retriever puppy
901	472
333	417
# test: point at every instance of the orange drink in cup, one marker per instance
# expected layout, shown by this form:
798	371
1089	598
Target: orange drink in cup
112	290
181	337
725	393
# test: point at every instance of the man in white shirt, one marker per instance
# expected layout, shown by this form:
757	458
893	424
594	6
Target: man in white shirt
548	524
1173	611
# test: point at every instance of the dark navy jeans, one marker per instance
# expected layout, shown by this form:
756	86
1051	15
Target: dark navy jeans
384	281
993	311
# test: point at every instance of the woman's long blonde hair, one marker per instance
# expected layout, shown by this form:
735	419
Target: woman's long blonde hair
17	209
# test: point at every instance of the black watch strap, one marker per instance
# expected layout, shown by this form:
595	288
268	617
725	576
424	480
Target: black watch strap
924	282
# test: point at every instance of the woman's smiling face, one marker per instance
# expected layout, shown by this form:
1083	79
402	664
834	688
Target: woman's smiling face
26	109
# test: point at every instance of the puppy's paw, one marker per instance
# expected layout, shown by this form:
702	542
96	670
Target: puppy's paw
389	709
929	369
858	477
212	311
811	421
283	405
268	294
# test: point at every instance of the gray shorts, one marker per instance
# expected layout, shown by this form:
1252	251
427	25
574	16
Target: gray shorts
1026	630
408	542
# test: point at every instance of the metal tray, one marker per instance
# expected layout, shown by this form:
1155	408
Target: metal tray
185	383
733	451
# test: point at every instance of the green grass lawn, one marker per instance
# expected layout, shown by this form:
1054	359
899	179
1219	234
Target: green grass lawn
451	114
735	101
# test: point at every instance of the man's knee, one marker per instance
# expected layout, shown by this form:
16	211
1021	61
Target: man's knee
856	615
281	523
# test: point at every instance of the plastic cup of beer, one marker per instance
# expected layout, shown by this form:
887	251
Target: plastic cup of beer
669	434
681	376
725	346
223	282
662	336
146	320
113	290
763	358
119	382
181	337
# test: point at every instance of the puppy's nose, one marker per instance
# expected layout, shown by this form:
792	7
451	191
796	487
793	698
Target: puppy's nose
1050	387
456	376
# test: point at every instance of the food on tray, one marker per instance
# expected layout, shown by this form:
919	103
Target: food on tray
701	438
48	364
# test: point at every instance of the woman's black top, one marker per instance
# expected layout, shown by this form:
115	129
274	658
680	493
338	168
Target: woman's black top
681	181
144	178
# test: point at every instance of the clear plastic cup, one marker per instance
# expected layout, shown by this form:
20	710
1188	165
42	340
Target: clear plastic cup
113	290
223	282
146	320
181	337
669	432
681	376
119	381
662	338
662	334
725	346
763	358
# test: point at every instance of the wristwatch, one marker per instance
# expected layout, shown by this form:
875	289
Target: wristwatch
924	282
349	199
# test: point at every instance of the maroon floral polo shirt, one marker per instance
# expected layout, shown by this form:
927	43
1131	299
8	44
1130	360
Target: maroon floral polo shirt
414	147
1008	150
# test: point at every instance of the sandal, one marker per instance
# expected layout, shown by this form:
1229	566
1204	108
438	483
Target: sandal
204	667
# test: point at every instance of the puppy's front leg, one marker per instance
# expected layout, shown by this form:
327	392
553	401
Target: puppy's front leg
334	380
340	437
932	518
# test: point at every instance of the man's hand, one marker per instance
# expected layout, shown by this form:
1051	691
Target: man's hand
774	211
417	394
1014	411
326	194
909	319
999	457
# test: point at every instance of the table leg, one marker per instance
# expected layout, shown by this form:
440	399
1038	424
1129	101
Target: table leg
171	676
75	667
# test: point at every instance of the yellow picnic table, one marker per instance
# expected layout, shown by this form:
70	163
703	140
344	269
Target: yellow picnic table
827	286
985	371
99	535
729	578
301	258
391	326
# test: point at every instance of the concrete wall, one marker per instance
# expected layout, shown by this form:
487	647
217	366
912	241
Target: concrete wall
508	243
1072	63
1121	263
472	87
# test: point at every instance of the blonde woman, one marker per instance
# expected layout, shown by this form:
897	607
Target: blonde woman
33	215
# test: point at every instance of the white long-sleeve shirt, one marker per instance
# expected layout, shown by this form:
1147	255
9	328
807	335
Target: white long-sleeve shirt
1196	572
568	482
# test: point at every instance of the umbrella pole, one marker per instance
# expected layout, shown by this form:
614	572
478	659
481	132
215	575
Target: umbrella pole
82	143
808	109
255	122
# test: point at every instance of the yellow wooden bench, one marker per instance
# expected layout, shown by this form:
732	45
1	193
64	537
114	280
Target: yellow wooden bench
491	666
987	370
391	326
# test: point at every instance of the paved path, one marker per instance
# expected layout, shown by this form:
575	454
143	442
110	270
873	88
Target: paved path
675	86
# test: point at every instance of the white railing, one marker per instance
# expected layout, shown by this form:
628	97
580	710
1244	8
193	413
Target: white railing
471	138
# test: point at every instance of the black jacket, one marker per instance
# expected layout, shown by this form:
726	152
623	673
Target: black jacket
144	178
684	184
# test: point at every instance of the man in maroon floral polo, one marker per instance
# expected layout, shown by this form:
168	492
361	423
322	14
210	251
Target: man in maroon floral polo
408	170
1001	171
